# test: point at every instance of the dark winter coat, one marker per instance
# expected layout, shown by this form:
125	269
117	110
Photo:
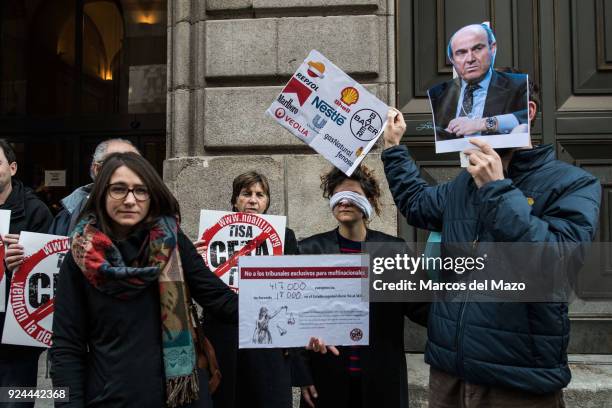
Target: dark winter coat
383	362
109	351
516	345
28	213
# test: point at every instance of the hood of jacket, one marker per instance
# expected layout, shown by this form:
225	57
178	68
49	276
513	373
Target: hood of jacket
529	160
74	201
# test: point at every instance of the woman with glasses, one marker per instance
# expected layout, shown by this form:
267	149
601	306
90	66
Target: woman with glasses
122	329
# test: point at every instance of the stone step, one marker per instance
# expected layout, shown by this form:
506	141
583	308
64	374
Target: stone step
591	385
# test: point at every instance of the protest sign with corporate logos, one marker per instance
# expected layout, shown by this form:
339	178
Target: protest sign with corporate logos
5	221
229	235
329	111
29	315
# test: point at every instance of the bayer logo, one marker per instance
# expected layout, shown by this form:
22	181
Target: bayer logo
366	124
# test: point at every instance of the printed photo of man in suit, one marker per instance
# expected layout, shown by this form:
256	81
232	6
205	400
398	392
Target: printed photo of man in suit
481	100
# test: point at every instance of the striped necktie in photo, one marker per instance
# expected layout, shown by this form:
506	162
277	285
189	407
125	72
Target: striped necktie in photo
468	99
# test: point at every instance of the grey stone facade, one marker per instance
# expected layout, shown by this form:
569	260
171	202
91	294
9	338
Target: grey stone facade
227	60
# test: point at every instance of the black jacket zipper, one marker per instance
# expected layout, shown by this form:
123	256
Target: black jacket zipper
464	305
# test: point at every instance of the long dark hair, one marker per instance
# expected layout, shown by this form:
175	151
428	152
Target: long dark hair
162	202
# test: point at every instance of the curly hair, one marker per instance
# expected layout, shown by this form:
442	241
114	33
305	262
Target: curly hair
363	175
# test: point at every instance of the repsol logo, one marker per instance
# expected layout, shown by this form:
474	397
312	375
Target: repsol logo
308	82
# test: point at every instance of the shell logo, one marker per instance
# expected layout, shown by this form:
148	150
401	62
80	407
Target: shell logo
349	95
315	69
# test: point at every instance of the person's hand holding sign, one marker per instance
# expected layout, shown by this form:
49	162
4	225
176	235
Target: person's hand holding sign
14	252
318	346
485	165
201	247
396	126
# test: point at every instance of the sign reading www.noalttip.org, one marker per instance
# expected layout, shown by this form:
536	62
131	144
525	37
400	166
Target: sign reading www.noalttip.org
329	111
229	235
29	316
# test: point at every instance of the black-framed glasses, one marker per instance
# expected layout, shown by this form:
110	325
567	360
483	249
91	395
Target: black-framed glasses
119	191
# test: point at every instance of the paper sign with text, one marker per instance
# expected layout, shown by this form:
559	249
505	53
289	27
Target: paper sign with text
29	315
286	300
228	235
329	111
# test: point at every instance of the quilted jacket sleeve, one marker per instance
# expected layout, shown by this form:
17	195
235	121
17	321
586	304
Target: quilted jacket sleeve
572	217
421	204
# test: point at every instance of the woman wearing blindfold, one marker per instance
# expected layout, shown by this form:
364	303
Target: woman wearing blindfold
360	376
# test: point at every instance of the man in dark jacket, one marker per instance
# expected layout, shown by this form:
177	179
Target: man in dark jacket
18	364
497	354
66	219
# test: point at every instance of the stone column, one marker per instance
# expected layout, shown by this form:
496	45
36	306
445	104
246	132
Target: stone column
227	61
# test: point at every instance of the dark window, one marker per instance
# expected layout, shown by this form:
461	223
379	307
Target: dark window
74	73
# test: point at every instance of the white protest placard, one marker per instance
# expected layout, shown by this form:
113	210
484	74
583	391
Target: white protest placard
285	300
29	315
228	235
5	222
329	111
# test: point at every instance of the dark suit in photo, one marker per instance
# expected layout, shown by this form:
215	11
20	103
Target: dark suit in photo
507	93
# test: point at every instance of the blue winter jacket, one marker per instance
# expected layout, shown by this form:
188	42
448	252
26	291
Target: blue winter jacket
517	345
65	221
